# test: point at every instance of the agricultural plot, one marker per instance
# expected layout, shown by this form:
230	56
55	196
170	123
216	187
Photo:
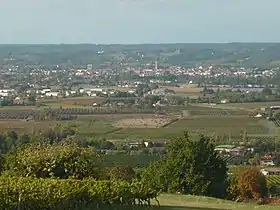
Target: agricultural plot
142	123
273	179
95	125
73	102
254	105
276	122
216	112
16	114
191	107
239	112
26	126
263	138
214	125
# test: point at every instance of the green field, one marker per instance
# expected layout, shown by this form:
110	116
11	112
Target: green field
193	118
255	105
26	126
180	202
221	125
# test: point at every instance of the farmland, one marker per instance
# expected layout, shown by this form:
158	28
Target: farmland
208	125
273	180
255	105
26	126
276	122
72	102
135	123
142	123
221	125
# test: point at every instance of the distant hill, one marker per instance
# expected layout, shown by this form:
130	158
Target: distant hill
231	54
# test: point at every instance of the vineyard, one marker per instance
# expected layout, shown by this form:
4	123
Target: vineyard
233	126
209	112
276	122
273	179
262	138
67	113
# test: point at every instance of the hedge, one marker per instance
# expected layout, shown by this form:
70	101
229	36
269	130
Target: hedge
31	193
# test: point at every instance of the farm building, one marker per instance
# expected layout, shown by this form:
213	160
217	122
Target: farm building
224	101
267	161
274	107
232	149
270	171
52	94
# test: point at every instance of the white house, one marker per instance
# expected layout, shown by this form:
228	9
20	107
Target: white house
46	90
224	101
6	92
52	94
268	162
270	171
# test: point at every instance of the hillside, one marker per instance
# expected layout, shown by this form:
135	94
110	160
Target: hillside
230	54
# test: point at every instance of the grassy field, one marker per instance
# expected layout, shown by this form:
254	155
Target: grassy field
26	126
193	118
104	126
221	125
78	102
18	108
256	105
180	202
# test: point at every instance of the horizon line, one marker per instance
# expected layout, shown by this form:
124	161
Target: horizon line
160	43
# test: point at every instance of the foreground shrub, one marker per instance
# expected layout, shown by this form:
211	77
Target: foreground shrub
63	161
122	173
190	167
251	184
33	193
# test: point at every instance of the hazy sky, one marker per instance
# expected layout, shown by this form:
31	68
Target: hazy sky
139	21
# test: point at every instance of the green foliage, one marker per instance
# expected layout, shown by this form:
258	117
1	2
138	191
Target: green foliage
10	140
101	144
6	102
156	175
195	167
135	161
191	167
122	173
59	132
251	184
32	193
60	160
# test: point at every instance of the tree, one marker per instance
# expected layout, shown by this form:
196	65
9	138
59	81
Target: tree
122	173
267	91
251	184
31	100
193	167
63	160
156	176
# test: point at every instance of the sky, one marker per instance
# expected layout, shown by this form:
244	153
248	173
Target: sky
138	21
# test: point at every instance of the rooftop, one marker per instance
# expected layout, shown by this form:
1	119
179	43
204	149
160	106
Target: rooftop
225	147
272	169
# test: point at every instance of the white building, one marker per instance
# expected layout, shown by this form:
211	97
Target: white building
52	94
270	171
6	92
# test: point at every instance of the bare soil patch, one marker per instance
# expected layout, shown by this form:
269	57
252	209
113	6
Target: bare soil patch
142	123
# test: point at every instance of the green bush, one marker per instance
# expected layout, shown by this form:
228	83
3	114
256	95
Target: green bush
56	161
33	193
